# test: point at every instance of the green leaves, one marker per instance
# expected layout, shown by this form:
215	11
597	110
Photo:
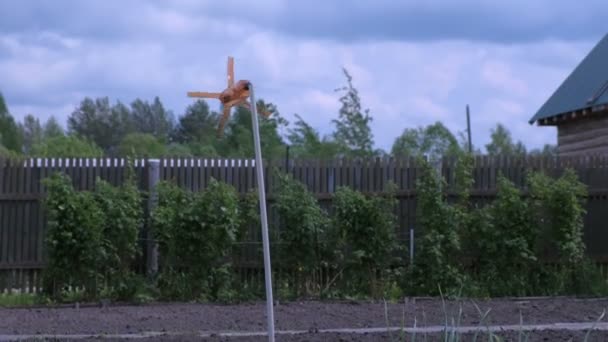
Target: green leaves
92	236
123	210
440	224
434	141
196	232
560	207
302	237
73	237
502	144
62	146
364	231
353	132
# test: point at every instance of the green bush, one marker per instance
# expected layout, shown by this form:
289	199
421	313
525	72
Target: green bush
560	207
74	238
301	239
504	239
92	238
435	264
123	218
366	241
196	232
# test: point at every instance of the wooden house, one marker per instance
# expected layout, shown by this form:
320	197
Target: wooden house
579	107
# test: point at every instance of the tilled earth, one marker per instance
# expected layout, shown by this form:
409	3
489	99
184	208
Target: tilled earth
185	322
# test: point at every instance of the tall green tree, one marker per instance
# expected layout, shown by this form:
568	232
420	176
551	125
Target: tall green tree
238	138
10	135
152	118
306	142
353	133
52	128
31	130
433	141
197	126
98	121
501	143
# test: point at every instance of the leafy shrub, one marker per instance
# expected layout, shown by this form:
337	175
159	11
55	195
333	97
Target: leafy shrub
366	240
92	238
435	264
196	232
302	242
560	206
73	239
505	243
123	218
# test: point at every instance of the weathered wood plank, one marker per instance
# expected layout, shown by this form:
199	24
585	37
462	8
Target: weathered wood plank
582	125
584	144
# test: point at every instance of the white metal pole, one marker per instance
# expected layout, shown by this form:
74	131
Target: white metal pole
262	194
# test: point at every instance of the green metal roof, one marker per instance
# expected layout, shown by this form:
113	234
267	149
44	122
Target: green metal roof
586	87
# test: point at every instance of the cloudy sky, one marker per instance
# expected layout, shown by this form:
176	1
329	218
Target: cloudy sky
414	62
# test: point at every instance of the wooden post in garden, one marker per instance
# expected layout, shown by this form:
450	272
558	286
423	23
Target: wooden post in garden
153	170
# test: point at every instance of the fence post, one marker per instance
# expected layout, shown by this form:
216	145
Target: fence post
411	246
151	247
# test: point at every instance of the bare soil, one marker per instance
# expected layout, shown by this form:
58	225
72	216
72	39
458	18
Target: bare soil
185	321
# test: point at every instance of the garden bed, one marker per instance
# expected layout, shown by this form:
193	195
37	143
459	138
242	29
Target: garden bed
308	319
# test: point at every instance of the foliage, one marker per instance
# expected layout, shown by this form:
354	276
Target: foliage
302	243
74	237
561	201
435	263
9	154
31	131
178	150
353	133
434	141
196	232
306	142
141	144
66	146
548	150
92	238
152	118
560	204
197	125
103	124
10	135
8	300
52	128
505	244
238	137
501	143
366	241
123	219
202	150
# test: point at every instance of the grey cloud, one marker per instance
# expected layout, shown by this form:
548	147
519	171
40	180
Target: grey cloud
505	22
513	21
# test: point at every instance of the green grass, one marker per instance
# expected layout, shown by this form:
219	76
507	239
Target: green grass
8	300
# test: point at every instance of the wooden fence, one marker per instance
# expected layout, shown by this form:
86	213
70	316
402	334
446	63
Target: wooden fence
23	223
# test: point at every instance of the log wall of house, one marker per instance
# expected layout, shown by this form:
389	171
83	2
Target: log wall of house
584	136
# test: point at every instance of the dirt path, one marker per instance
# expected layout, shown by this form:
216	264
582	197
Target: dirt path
191	319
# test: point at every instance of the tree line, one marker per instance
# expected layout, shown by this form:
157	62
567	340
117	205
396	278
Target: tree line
97	127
